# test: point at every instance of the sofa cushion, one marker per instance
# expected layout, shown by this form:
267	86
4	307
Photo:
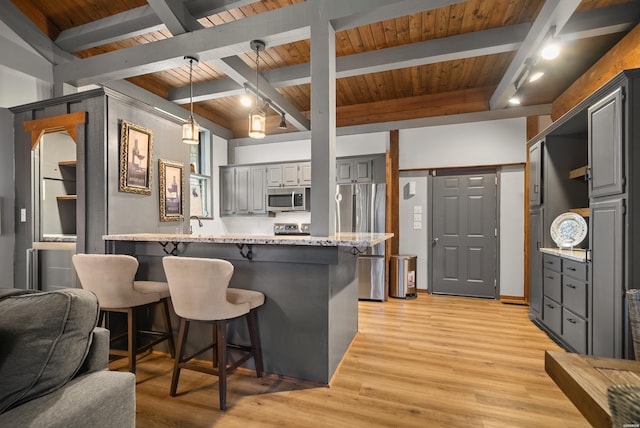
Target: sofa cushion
44	338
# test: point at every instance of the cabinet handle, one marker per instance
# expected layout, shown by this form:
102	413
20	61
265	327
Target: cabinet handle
549	277
571	286
550	306
571	320
571	268
549	262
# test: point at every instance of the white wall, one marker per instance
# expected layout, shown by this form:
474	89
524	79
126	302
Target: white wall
512	231
470	144
414	241
477	144
348	145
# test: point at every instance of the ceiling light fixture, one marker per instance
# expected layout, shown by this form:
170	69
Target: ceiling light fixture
191	130
551	48
283	123
514	100
257	117
245	99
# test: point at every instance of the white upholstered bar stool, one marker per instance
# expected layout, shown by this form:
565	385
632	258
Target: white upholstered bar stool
111	277
199	292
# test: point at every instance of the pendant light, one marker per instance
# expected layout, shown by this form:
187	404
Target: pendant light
190	130
257	117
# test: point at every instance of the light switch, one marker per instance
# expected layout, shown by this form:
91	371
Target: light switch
417	209
23	215
417	217
412	187
417	225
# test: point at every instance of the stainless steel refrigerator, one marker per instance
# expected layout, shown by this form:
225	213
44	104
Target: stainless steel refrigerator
361	208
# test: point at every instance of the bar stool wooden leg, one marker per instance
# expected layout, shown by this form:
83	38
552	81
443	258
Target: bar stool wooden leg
221	346
182	340
254	335
167	324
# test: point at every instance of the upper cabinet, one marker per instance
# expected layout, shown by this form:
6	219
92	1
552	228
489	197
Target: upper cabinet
535	174
605	146
243	190
354	171
289	174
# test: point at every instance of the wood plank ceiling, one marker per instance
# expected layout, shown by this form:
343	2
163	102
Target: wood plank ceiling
459	58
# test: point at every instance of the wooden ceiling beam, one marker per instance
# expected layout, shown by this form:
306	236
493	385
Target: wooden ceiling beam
486	42
581	25
624	55
175	16
124	25
277	27
31	34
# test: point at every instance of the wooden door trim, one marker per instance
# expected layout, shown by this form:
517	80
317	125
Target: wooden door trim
64	122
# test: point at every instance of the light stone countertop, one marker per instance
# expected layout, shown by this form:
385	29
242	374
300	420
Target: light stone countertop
338	240
577	254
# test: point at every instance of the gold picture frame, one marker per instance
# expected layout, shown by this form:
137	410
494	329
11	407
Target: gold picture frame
171	190
136	159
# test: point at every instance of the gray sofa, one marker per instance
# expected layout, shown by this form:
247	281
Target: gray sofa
53	363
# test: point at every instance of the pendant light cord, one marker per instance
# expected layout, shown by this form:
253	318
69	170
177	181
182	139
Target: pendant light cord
191	85
257	71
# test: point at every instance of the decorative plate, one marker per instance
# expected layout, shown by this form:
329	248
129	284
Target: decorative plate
568	230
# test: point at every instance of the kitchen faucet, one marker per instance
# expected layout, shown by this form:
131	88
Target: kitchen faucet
199	223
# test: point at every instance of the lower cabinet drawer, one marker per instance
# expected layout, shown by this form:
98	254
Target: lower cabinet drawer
574	295
552	315
552	284
574	331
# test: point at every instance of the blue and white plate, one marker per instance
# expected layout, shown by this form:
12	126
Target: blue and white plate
568	230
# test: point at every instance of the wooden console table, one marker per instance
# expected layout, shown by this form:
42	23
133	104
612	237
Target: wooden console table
585	381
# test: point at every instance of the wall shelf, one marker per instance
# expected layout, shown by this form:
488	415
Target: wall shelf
67	197
584	212
578	172
67	163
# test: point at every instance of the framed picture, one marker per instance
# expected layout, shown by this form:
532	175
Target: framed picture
171	190
136	153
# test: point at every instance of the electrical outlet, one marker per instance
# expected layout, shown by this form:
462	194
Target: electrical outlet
417	209
417	225
417	217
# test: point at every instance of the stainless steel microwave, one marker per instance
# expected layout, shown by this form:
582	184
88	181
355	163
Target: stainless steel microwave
289	199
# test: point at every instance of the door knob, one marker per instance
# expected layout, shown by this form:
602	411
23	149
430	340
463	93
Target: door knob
435	241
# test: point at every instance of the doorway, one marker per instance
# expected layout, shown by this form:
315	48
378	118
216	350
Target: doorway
464	233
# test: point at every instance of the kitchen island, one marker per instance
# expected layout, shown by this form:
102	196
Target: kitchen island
310	315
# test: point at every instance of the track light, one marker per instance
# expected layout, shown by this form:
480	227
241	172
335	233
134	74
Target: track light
551	48
283	123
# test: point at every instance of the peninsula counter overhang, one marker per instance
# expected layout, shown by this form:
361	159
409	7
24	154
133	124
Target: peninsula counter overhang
338	240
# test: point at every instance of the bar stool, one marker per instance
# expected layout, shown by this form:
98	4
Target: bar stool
111	278
199	292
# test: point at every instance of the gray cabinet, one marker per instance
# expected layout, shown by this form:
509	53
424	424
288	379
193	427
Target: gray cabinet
535	174
598	144
354	170
535	265
565	302
606	175
289	174
243	190
607	250
305	173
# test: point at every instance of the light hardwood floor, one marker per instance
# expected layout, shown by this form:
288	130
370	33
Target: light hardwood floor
436	361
